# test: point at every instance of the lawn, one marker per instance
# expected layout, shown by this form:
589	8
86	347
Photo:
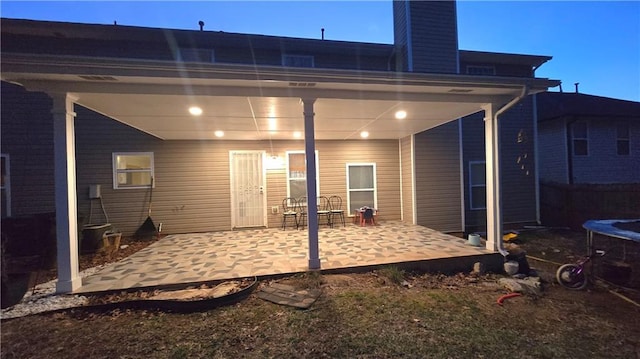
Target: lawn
364	315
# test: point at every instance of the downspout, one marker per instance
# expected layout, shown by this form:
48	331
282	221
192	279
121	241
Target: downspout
523	94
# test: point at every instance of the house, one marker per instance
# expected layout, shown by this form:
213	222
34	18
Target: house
586	139
223	126
589	156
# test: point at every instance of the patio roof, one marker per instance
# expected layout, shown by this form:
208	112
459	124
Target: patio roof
261	102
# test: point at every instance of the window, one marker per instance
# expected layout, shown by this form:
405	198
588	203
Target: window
297	174
622	139
132	169
361	186
579	138
5	187
196	55
477	185
297	60
481	70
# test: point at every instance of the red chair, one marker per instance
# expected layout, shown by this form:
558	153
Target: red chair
367	215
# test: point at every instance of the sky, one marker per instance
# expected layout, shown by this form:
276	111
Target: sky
594	43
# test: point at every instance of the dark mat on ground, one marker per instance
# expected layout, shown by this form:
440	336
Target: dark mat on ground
288	295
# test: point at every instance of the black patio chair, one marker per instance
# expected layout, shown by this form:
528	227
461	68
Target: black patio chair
324	210
289	209
336	209
302	211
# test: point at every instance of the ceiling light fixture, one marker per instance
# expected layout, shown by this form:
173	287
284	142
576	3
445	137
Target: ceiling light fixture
195	110
219	133
364	134
401	115
297	134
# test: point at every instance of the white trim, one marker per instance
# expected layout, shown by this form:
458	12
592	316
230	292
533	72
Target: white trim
375	183
471	185
462	197
117	172
7	184
263	185
574	138
401	180
414	205
287	153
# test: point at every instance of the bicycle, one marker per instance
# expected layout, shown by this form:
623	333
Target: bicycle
572	275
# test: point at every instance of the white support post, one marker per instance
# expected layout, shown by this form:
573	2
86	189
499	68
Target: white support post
312	199
65	192
492	153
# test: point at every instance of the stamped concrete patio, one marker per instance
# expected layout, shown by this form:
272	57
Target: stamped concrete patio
182	259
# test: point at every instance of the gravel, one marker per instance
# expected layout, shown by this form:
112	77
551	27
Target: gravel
44	298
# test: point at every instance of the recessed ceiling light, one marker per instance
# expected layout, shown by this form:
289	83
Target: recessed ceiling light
195	110
297	134
400	115
364	134
219	133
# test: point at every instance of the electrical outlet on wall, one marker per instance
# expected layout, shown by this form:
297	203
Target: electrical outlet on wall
274	209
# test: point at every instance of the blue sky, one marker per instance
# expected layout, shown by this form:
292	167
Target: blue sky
594	43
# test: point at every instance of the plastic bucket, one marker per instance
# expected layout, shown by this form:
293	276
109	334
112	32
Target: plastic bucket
474	240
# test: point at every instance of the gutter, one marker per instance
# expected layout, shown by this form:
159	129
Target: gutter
523	94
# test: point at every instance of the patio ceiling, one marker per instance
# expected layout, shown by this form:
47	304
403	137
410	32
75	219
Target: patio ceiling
250	103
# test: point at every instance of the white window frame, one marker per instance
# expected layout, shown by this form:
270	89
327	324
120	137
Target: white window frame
296	56
197	52
483	70
7	184
375	184
475	185
117	171
574	138
623	137
289	179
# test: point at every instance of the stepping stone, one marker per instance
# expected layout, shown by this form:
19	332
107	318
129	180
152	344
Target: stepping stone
288	295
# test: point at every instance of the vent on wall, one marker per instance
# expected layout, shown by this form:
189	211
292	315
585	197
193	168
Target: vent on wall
302	84
460	90
98	78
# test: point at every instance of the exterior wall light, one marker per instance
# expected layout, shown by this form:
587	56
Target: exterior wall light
364	134
219	133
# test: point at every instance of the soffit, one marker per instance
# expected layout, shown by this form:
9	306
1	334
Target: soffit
250	103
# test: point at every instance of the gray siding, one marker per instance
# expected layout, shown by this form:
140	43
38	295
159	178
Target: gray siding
603	164
192	177
406	168
27	137
552	151
518	180
429	31
437	171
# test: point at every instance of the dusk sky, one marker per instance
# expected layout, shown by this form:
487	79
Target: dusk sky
594	43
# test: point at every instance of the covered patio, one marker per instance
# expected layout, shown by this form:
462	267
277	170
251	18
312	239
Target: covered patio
183	259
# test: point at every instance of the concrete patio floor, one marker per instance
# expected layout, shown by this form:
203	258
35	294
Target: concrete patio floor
183	259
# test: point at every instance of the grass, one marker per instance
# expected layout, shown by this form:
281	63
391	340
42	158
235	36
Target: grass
357	316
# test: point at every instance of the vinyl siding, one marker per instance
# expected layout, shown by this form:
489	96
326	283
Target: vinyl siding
437	171
407	179
552	150
434	37
603	165
192	185
27	137
518	182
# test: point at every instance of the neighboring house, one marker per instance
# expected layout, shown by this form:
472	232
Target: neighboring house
586	139
278	117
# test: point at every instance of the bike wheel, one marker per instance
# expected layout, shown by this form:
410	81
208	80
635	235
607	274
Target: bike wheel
571	277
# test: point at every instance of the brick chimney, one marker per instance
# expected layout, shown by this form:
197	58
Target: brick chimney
426	36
